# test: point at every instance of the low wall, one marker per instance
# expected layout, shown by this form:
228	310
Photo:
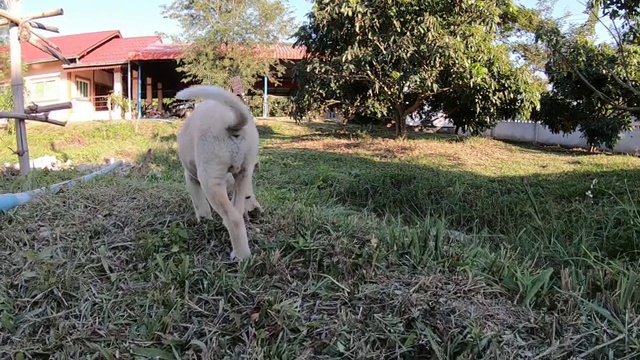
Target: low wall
537	133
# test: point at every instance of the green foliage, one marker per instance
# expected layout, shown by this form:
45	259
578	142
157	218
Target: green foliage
390	59
279	106
6	98
117	100
626	10
605	131
227	38
6	104
587	93
490	92
520	37
255	104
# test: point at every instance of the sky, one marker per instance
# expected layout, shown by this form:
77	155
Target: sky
131	17
143	17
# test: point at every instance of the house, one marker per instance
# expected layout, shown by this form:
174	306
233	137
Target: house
96	69
139	69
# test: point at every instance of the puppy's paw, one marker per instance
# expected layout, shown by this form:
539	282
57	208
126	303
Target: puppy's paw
240	256
200	217
252	207
253	214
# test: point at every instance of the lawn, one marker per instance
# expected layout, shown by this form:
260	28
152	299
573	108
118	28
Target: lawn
369	248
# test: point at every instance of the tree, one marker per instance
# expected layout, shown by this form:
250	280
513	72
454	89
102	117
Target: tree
392	58
628	11
560	42
226	38
572	105
593	85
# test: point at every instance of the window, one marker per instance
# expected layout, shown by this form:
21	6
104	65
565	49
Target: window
82	89
44	90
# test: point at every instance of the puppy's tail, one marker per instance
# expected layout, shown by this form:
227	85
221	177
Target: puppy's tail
216	93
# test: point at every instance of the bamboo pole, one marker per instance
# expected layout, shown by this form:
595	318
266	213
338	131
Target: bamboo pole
35	108
34	117
17	87
44	14
20	30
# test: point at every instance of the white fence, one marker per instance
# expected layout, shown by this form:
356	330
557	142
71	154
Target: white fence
531	132
537	133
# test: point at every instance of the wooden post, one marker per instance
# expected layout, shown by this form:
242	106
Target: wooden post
139	90
160	96
17	87
149	91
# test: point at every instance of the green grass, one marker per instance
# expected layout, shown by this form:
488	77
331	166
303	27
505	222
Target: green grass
369	248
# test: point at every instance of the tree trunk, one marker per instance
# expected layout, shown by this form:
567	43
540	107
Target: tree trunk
401	125
398	130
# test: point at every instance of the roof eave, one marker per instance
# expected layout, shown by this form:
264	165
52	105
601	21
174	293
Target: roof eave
81	65
49	60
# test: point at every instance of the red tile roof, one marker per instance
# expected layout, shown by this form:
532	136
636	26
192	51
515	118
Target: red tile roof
285	52
158	51
173	51
109	47
118	50
71	46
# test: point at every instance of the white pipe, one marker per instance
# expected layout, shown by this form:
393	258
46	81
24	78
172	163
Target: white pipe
9	201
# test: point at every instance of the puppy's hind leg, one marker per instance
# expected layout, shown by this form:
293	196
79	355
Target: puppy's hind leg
198	198
216	192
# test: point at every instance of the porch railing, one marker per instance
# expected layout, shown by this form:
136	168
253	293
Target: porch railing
100	103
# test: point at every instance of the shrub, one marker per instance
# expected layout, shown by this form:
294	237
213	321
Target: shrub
279	106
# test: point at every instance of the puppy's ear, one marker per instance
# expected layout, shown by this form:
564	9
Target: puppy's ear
257	167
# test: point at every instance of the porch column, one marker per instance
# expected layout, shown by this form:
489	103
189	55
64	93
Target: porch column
129	111
159	90
139	90
117	90
149	90
265	100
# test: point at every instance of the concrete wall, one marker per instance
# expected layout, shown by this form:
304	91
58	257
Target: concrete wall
532	133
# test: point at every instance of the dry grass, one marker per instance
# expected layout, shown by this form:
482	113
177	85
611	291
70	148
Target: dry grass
352	257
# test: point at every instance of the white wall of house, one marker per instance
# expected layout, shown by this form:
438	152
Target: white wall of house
48	83
84	106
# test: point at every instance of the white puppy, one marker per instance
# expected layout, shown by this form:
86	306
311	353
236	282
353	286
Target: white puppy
220	138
